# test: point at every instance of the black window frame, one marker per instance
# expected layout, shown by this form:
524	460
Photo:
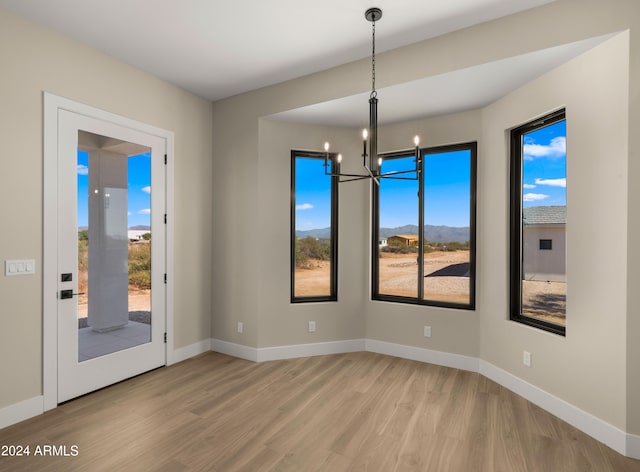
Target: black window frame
471	146
516	262
333	282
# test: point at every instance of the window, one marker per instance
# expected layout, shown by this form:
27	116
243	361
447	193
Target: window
546	245
538	223
314	227
424	230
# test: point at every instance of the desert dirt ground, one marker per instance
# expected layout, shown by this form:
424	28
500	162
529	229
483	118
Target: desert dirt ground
398	273
545	300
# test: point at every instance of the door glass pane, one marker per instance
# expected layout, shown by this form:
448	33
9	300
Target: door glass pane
398	231
447	213
114	245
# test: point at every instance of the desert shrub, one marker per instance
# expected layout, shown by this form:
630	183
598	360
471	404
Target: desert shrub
311	248
453	246
400	249
146	236
140	280
140	266
139	263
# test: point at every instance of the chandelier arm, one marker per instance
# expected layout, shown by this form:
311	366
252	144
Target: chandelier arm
391	177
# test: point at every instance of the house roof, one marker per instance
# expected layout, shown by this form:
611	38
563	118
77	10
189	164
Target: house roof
410	237
544	215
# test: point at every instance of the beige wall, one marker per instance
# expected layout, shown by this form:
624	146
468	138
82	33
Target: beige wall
596	345
280	322
34	60
594	90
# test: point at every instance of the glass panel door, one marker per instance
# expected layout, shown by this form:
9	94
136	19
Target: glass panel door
107	263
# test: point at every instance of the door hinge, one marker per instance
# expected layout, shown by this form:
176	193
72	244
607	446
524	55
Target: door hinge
165	218
165	159
165	278
165	338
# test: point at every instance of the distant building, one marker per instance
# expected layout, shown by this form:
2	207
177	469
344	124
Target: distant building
382	242
403	240
544	243
136	234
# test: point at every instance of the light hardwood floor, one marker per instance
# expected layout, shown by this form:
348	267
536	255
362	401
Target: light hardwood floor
358	411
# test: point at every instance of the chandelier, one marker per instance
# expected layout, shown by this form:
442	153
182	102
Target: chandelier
371	161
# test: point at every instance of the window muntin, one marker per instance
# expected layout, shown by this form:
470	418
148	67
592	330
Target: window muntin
314	217
424	242
538	223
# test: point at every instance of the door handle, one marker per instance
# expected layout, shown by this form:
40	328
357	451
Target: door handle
66	294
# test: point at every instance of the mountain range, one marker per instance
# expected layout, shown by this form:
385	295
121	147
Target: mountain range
436	234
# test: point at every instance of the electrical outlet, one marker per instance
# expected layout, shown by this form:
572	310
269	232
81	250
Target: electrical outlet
427	331
240	327
526	358
312	326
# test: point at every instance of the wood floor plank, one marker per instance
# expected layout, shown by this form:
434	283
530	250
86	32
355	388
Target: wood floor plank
348	412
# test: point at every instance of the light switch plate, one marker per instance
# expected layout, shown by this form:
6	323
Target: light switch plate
19	267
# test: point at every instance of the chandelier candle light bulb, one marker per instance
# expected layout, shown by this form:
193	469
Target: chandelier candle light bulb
365	135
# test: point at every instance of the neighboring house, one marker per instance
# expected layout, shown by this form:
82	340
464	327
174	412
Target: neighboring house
382	242
136	234
544	243
403	240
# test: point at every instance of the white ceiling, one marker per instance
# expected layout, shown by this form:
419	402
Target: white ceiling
219	48
465	89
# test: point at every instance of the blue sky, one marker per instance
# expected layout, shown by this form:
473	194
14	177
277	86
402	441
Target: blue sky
139	194
313	195
544	173
447	178
447	184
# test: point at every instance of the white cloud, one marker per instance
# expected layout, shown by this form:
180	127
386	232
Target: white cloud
83	170
146	211
552	182
534	197
304	206
528	186
556	148
146	189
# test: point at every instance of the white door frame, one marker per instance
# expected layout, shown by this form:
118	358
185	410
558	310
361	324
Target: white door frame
52	104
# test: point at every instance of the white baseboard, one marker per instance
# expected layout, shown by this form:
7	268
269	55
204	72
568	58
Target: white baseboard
633	446
235	350
184	353
286	352
24	410
598	429
309	350
446	359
